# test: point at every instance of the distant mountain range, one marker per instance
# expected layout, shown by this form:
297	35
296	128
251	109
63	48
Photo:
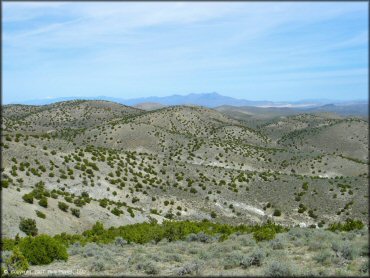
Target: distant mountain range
213	100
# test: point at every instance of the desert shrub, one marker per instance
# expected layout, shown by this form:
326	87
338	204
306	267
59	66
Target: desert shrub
319	240
364	268
43	202
172	258
247	240
74	249
277	212
40	214
28	198
295	233
75	212
6	254
314	245
28	226
336	246
278	269
213	214
200	237
364	249
255	258
324	257
347	251
204	255
63	206
97	265
276	244
233	259
17	263
148	267
119	241
349	225
91	250
42	249
192	268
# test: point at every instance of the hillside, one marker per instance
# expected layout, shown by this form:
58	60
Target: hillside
70	164
198	159
75	114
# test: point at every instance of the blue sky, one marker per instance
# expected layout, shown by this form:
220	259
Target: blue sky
257	51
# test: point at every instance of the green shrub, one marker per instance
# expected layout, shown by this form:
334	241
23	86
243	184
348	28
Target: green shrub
42	249
96	230
131	212
85	194
169	215
63	206
79	202
116	211
349	225
7	244
43	202
277	212
28	198
305	186
152	231
193	190
17	264
264	234
4	183
40	214
28	226
75	212
267	231
103	203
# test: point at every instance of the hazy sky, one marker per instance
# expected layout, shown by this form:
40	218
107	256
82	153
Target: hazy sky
272	51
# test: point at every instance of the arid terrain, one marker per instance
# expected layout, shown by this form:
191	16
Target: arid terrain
102	161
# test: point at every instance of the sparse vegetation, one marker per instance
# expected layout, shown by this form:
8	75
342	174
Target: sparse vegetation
190	163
